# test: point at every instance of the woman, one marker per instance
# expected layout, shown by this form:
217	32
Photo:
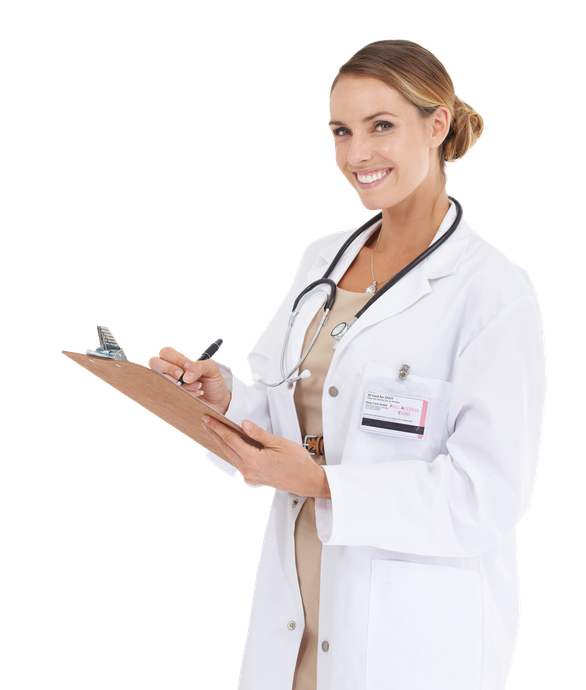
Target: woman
405	460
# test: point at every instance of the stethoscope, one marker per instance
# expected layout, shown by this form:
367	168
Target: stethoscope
318	286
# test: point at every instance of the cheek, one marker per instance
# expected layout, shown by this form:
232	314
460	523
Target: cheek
340	157
342	160
420	148
415	161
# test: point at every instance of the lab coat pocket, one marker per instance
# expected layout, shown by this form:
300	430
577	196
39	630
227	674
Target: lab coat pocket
397	419
424	627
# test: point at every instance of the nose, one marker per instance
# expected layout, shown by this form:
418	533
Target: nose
358	151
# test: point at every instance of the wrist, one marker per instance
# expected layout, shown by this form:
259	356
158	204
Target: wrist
323	490
226	404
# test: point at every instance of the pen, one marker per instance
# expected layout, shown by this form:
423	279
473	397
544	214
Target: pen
208	354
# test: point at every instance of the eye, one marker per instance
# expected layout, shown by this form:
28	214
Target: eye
383	126
341	131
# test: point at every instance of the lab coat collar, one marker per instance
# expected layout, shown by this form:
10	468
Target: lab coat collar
442	262
407	291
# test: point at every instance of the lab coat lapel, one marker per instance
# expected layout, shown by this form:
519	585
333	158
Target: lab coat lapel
401	296
416	284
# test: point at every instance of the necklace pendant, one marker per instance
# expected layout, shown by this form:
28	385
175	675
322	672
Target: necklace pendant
371	289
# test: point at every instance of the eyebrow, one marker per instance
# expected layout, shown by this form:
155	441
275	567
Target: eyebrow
366	119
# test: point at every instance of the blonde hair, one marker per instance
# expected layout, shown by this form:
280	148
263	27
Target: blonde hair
422	79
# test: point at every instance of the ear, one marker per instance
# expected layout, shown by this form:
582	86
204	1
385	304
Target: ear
439	126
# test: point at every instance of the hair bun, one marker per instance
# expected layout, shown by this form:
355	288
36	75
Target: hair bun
465	130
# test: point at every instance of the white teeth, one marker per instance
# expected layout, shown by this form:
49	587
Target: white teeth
366	179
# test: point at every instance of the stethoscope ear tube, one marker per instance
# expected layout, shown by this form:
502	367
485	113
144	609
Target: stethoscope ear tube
323	281
348	242
330	298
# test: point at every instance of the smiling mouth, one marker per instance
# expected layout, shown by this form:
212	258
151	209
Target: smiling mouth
372	177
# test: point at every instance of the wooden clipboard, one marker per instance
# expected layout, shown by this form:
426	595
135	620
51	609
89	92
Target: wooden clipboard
160	396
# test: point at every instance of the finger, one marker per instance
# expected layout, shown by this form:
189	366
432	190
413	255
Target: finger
174	363
255	432
174	356
204	368
165	367
228	439
219	439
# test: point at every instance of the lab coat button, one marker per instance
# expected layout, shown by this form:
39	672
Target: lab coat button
291	625
290	385
295	502
325	645
333	391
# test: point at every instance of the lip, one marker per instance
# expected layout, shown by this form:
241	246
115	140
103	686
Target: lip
371	185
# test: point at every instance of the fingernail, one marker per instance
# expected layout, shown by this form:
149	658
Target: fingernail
190	376
205	419
186	365
198	384
247	426
178	373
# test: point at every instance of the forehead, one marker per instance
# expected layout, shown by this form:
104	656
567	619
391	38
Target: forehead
358	97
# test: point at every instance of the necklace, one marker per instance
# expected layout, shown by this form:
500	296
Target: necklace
371	289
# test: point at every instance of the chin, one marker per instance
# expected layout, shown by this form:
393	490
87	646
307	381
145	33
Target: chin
372	205
375	202
380	201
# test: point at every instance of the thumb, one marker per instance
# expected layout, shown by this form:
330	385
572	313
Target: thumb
256	433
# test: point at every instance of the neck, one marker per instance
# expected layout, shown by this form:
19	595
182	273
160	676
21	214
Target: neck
410	226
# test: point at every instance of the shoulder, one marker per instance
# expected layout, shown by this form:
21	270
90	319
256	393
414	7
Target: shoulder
327	244
486	286
487	267
321	252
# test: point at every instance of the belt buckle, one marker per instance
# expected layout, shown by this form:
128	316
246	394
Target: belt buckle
314	444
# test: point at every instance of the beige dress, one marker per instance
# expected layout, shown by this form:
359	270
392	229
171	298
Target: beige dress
308	397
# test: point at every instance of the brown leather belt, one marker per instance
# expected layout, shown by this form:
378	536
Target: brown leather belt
314	445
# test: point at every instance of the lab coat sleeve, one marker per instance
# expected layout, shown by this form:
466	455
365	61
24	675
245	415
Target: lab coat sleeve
471	497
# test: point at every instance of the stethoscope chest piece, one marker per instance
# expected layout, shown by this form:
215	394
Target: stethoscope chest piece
339	331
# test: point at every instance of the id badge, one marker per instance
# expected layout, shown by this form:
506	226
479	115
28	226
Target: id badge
395	415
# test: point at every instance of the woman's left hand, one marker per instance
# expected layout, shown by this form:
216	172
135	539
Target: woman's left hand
282	464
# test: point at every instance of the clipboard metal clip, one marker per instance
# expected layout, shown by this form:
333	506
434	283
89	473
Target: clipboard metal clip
109	348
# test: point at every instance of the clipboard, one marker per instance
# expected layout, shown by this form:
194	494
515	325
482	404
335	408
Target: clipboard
153	391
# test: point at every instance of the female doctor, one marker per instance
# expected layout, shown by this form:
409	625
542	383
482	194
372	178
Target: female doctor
404	461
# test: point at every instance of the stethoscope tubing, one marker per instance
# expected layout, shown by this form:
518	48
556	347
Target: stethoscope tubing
403	272
326	280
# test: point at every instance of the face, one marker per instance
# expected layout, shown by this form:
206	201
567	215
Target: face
384	147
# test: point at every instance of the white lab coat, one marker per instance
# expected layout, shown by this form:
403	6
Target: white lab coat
418	575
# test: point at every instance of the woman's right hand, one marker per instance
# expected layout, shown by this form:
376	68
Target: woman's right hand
202	378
